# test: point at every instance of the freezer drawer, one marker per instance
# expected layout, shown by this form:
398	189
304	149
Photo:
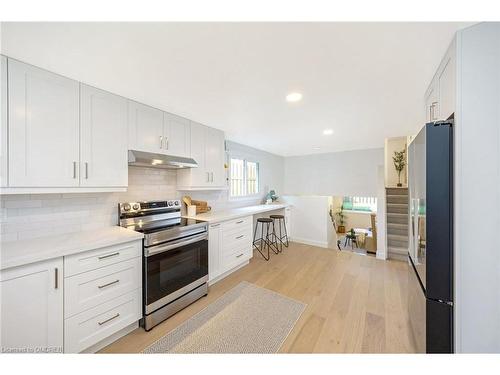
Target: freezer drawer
439	327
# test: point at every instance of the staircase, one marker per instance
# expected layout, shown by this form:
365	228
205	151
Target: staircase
397	223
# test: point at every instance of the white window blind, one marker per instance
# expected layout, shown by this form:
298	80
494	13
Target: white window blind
244	178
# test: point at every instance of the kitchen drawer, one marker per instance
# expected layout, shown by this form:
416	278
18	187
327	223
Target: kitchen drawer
89	289
88	328
237	257
91	260
230	246
237	223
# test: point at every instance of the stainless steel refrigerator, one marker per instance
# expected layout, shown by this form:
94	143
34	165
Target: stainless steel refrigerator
430	260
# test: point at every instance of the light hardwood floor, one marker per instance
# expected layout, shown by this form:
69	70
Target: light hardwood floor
355	303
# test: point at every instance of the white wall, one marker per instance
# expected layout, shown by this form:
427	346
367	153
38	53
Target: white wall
337	173
311	222
477	190
391	175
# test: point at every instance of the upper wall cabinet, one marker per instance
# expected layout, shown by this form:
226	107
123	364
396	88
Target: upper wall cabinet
145	126
440	96
176	135
103	141
43	128
3	121
207	148
152	130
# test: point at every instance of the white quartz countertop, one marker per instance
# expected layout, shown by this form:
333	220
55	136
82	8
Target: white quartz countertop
18	253
234	213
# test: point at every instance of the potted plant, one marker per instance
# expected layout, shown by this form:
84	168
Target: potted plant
341	216
399	159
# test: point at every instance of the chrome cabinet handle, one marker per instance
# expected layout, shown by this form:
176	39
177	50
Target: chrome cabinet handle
166	143
237	238
239	222
56	278
108	320
108	284
208	176
86	170
161	141
237	256
212	178
74	169
108	256
214	225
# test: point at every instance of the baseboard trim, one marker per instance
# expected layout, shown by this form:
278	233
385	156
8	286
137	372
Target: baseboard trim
111	339
307	241
227	273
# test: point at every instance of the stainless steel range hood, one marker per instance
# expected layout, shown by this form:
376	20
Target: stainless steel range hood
152	160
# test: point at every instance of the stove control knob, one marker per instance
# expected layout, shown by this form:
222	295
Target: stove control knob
170	203
135	206
126	207
176	203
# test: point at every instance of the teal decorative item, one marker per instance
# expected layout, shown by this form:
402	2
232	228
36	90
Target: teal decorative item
272	196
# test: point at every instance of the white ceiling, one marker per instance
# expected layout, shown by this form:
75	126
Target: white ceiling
363	80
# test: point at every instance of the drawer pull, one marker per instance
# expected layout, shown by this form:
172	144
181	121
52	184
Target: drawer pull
108	284
239	222
108	256
240	236
237	256
108	320
214	225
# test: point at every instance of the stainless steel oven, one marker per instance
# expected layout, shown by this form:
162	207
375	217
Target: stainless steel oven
175	259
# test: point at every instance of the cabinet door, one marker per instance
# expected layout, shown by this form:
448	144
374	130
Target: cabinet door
43	128
215	157
32	307
446	82
3	121
431	103
214	250
145	128
103	141
176	135
199	176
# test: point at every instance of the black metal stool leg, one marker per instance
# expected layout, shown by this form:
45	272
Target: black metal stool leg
270	244
286	234
261	246
275	238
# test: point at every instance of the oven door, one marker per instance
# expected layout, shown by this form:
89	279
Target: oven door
173	269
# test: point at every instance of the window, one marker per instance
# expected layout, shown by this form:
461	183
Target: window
368	204
244	178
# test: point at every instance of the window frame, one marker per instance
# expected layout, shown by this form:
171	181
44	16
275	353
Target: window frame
245	160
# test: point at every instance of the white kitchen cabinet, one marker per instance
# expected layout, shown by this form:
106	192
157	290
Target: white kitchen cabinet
229	246
431	103
440	96
145	128
152	130
176	135
32	307
43	128
207	149
214	250
103	141
214	150
3	122
446	81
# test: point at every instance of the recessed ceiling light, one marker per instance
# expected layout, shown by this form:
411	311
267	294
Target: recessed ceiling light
328	132
294	97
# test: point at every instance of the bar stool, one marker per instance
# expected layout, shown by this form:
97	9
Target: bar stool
281	223
264	240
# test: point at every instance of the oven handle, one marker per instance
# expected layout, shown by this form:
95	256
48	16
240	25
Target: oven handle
174	245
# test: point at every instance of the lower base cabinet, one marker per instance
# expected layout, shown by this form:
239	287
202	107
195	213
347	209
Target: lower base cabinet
32	308
73	303
229	246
